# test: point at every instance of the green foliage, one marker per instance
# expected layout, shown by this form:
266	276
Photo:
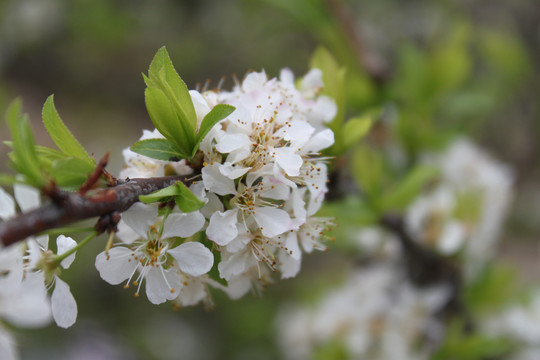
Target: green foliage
465	345
495	287
60	134
355	130
170	107
24	156
178	192
369	172
408	188
333	350
160	149
219	112
70	172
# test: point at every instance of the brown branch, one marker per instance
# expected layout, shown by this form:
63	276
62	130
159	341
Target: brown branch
426	268
69	207
372	62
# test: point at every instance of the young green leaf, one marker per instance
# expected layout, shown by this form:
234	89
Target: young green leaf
162	76
164	194
165	119
408	188
218	113
71	172
160	149
60	134
355	129
163	69
24	154
183	197
186	200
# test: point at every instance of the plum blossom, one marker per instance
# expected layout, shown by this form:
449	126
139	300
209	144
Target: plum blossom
38	258
465	210
374	314
154	254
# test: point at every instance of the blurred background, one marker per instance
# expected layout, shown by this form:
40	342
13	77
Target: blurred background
468	66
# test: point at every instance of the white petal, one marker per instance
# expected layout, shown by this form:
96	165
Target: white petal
289	265
231	142
8	347
162	285
272	221
139	217
222	228
193	258
193	292
200	105
64	244
64	306
232	265
319	141
288	160
116	265
325	109
291	245
182	225
452	238
43	241
286	76
254	81
312	81
7	205
274	189
27	197
231	171
216	182
213	205
29	306
298	132
125	233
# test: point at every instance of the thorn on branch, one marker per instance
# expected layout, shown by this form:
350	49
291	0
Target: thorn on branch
93	178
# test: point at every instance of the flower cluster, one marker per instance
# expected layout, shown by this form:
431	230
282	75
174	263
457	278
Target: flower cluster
27	271
375	314
263	179
459	215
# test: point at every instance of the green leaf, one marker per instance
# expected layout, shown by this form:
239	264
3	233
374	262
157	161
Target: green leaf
60	134
187	201
165	119
408	188
163	76
71	172
355	129
164	194
218	113
24	154
369	171
160	149
7	180
183	197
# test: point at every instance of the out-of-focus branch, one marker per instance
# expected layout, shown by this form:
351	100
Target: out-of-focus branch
375	66
69	207
427	268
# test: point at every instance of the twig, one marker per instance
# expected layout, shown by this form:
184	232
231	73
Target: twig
71	207
95	175
375	66
427	268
